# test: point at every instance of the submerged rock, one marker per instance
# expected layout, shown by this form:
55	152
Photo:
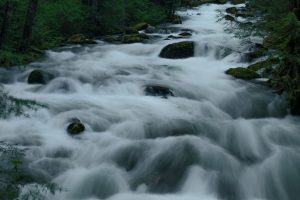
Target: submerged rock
229	18
178	50
39	77
185	34
75	127
158	90
242	73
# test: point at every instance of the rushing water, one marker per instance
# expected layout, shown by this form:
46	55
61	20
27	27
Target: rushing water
218	138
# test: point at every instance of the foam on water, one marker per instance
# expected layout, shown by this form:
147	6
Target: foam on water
218	138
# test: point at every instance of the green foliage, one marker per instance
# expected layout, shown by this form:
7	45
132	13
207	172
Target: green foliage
13	106
14	177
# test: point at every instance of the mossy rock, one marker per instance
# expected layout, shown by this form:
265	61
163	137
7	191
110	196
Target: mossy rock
131	30
113	38
178	50
75	127
80	39
242	73
229	18
258	53
158	90
141	26
39	77
232	10
268	63
134	38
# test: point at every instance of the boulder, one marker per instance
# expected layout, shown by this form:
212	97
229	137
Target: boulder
242	73
80	39
158	90
75	127
268	63
39	77
150	29
178	50
141	26
113	38
232	10
134	38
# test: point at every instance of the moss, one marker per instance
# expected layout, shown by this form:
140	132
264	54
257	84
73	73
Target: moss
268	63
141	26
80	39
75	128
258	53
134	38
178	50
11	58
242	73
113	38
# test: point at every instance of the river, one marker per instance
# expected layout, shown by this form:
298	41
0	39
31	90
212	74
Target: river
217	138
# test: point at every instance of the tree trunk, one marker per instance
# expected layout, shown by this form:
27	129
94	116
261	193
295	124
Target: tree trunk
29	21
8	7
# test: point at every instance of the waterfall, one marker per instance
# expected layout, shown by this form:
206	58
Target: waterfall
216	138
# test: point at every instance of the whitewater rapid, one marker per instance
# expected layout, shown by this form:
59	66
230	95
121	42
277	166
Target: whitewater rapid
218	138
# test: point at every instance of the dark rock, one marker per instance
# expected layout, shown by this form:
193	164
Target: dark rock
39	77
242	73
75	127
178	50
150	29
185	34
134	38
158	90
232	10
229	18
113	38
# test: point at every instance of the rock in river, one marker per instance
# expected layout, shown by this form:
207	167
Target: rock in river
178	50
